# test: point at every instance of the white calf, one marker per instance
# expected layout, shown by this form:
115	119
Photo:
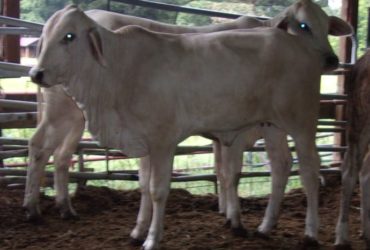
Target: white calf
217	71
69	124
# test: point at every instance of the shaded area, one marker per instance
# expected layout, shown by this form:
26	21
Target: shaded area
192	222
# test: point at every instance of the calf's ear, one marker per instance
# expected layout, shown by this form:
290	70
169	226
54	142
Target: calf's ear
96	46
282	23
71	6
39	46
339	27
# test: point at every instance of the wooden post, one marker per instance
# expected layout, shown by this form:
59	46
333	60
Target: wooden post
108	5
81	168
368	29
11	44
350	14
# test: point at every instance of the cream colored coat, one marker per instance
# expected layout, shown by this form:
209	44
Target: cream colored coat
158	108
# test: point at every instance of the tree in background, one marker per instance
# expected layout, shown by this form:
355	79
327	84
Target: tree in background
40	10
154	14
364	5
271	8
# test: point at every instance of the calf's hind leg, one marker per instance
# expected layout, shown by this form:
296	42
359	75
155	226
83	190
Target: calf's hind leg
365	199
349	173
144	217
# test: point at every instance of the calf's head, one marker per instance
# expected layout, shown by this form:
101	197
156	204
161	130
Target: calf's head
62	47
306	19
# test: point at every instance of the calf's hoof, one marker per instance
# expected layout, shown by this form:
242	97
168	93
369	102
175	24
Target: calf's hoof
136	242
69	215
367	242
223	214
310	243
262	235
150	245
240	232
33	216
34	219
227	224
344	246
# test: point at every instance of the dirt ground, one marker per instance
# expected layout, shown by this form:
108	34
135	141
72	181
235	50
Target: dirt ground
192	222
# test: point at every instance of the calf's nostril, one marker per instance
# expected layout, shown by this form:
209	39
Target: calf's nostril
36	75
332	61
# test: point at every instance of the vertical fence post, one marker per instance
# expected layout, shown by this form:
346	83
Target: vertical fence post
368	29
350	14
107	160
216	186
11	44
81	168
108	5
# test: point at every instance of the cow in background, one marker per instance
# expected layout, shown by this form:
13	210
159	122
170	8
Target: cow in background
356	163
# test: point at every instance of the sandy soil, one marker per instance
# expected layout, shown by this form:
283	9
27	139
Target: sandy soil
192	222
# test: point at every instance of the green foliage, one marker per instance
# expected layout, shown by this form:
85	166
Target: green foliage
198	20
40	10
362	25
91	4
271	8
159	15
194	20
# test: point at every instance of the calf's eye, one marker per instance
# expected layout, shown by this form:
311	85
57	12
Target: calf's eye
304	26
69	37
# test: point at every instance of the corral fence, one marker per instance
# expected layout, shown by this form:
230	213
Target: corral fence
17	113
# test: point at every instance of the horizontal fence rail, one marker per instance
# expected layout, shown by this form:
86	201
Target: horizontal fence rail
135	177
19	105
93	148
13	70
189	10
19	116
21	23
18	31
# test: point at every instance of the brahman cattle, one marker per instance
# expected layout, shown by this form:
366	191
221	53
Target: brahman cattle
356	162
62	115
144	92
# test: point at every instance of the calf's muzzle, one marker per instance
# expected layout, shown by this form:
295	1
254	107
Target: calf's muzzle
331	62
37	75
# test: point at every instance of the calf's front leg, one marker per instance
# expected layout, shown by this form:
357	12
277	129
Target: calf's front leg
62	158
161	160
309	162
220	178
144	217
232	157
281	164
41	146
